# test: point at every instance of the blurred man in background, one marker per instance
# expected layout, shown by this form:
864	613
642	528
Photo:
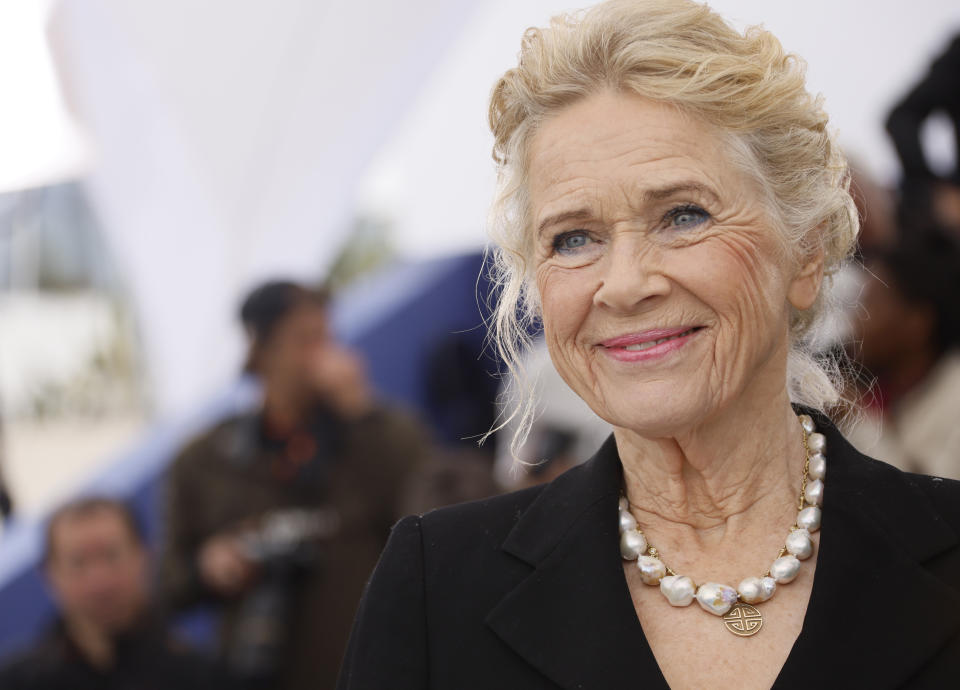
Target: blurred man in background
937	91
909	323
909	339
929	196
106	636
459	390
279	515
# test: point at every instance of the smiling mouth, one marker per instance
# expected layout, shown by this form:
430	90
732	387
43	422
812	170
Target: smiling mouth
637	347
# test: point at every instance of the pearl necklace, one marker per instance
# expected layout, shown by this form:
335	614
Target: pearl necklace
736	605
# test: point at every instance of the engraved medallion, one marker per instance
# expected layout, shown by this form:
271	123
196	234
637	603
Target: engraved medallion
743	620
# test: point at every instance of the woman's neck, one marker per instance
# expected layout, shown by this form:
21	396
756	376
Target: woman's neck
718	481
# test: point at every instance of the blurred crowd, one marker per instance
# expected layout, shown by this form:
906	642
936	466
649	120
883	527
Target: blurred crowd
274	518
907	324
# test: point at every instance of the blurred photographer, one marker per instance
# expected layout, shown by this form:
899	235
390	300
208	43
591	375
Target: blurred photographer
106	635
937	91
929	196
279	515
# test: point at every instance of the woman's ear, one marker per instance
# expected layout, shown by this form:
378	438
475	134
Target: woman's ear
806	284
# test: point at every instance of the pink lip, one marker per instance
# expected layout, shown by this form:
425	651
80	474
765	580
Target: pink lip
615	347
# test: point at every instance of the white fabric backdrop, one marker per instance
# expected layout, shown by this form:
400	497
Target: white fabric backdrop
230	136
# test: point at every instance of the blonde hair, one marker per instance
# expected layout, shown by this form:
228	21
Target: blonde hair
682	53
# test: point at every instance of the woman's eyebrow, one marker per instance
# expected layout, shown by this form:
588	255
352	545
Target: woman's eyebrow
654	194
563	217
665	192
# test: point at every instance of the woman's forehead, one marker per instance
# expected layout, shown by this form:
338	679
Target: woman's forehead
613	140
619	127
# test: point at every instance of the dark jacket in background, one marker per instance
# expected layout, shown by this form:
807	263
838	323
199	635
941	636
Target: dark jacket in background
939	90
234	474
527	590
147	659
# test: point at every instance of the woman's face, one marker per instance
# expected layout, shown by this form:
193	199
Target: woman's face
664	294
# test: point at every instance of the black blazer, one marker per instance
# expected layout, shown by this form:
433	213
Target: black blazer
527	590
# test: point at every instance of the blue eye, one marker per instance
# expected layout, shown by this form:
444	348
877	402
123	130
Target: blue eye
686	216
567	242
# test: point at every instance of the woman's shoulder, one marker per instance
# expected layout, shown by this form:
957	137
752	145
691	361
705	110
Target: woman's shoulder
922	512
486	521
942	493
455	548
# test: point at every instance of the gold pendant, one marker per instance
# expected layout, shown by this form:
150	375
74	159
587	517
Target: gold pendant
743	620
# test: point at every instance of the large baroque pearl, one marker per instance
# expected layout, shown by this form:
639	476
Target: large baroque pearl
818	466
652	570
806	421
750	591
785	569
817	443
809	518
716	598
678	589
768	587
754	590
799	544
813	494
632	544
627	521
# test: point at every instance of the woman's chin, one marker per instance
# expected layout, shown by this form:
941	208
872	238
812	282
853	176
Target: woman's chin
655	420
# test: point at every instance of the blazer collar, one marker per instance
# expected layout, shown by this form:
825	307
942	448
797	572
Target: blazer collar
564	502
572	618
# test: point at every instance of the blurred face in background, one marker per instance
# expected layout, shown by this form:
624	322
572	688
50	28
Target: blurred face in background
98	570
298	340
301	363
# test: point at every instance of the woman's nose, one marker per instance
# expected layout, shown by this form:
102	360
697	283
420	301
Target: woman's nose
631	278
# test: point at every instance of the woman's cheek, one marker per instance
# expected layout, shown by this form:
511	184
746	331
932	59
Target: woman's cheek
564	294
549	288
565	302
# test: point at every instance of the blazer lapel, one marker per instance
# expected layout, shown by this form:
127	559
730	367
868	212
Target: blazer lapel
876	615
572	618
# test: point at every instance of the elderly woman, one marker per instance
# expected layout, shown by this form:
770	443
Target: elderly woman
671	208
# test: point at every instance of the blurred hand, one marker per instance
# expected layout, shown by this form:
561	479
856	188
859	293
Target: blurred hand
223	566
946	205
341	379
